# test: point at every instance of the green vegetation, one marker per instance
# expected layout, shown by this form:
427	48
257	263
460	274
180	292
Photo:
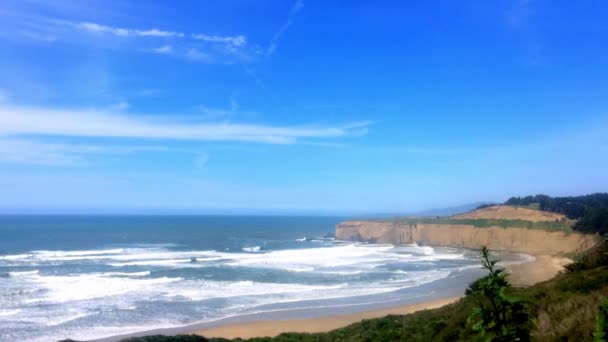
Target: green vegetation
587	214
178	338
533	206
499	316
564	226
591	211
601	325
595	221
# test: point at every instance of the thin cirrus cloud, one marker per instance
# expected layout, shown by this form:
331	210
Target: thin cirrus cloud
295	8
185	45
27	121
124	32
30	151
233	40
163	50
237	40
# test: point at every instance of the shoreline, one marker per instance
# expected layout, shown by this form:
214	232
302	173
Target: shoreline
317	324
540	268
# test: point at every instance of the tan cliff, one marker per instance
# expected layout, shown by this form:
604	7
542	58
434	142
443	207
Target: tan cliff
520	240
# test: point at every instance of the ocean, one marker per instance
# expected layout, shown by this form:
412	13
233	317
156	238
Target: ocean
90	277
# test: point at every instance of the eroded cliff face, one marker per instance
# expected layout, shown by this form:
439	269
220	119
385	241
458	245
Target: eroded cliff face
520	240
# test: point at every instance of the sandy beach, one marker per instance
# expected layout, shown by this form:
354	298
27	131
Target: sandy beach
312	325
542	268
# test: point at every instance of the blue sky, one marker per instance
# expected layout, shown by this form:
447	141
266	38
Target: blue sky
299	106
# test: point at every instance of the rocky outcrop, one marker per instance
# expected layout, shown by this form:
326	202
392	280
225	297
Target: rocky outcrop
520	240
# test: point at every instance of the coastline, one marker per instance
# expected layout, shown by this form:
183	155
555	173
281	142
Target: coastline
539	268
542	268
314	325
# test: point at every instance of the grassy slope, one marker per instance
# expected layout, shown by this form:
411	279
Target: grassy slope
503	222
564	226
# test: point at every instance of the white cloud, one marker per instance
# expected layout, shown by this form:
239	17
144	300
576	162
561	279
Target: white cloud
199	47
19	121
233	40
158	33
197	55
29	151
48	38
97	28
163	50
297	6
125	32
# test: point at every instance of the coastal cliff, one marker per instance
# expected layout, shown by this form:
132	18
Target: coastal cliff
513	239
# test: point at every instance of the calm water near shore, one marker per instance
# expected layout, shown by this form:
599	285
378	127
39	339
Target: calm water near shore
88	277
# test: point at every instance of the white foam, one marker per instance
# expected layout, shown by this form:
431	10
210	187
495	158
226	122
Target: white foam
315	258
70	297
9	312
59	289
342	272
300	269
24	273
126	274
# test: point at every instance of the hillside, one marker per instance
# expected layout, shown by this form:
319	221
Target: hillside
507	212
590	211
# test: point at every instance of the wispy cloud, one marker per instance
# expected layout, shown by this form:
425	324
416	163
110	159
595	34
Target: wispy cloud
26	121
162	50
47	38
239	40
197	55
236	40
297	6
31	151
223	113
193	46
123	32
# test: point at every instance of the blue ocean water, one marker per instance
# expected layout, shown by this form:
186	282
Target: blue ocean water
87	277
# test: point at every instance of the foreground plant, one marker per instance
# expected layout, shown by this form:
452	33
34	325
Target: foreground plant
601	326
498	316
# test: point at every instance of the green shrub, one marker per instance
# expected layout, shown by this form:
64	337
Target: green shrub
499	316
